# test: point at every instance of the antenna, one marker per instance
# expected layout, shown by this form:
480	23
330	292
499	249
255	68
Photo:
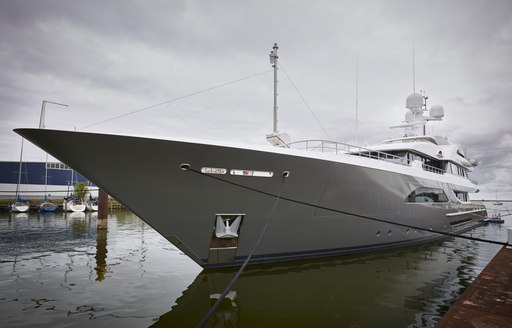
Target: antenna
413	70
273	61
357	100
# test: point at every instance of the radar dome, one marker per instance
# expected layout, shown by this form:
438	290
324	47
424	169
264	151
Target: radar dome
437	111
414	102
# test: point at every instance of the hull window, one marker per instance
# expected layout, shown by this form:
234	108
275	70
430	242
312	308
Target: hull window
427	195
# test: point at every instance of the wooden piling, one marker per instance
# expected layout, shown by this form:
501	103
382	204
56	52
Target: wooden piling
102	210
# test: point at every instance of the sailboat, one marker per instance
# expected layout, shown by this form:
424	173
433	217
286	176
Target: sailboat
46	205
70	203
19	205
497	202
73	205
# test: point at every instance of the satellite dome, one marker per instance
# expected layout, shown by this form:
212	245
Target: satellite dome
437	111
414	102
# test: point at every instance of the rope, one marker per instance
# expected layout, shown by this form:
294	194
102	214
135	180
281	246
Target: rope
237	275
175	99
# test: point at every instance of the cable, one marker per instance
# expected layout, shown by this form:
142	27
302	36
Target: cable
237	275
304	100
175	99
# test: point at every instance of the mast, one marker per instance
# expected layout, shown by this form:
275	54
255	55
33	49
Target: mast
273	61
45	176
43	111
357	101
41	126
276	138
19	171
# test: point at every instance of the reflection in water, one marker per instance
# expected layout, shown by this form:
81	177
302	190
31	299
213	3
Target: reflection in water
392	289
54	271
101	254
227	312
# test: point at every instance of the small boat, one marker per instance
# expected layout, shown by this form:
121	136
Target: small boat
497	202
73	205
20	205
47	206
495	218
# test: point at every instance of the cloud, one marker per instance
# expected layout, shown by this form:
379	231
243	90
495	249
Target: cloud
106	59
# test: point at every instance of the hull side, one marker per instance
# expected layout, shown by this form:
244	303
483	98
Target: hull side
312	218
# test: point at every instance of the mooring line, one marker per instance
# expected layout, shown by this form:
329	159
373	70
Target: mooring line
237	275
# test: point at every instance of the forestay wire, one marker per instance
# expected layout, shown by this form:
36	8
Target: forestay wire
305	102
175	99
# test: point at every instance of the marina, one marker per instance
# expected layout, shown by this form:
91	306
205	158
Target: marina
378	205
263	164
58	269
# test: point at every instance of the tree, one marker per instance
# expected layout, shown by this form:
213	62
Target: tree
80	191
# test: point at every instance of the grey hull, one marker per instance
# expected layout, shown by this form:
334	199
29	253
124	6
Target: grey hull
311	219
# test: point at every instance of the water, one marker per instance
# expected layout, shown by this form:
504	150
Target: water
57	270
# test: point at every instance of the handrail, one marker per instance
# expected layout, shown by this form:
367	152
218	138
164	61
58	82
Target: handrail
347	149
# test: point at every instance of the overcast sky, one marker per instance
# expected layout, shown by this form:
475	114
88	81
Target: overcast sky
109	58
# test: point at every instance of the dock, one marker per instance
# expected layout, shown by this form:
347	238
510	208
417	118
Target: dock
487	302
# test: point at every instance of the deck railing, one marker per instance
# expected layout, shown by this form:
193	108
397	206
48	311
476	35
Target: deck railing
326	146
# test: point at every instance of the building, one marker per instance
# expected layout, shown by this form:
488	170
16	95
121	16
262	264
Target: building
60	180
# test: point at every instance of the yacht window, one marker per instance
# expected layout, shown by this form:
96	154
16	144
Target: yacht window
461	195
461	171
427	195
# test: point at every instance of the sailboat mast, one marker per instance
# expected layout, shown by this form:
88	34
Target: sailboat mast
19	171
273	61
41	126
45	175
43	111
